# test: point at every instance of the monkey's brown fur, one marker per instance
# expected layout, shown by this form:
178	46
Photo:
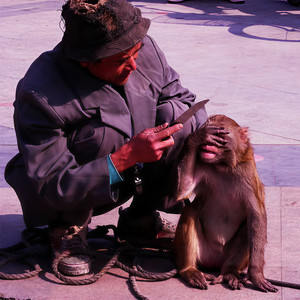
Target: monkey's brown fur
225	227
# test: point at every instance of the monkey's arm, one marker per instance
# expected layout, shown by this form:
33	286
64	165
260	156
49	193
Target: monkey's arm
186	181
187	249
257	237
188	171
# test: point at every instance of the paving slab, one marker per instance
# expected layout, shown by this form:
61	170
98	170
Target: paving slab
282	260
245	58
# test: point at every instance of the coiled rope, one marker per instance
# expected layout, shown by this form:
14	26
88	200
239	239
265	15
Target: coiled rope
30	237
26	251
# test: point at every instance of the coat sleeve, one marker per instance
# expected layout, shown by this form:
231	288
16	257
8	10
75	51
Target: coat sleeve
56	176
174	99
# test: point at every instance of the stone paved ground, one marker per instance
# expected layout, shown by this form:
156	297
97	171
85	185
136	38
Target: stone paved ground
245	58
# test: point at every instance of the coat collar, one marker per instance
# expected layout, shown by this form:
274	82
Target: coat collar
142	106
139	112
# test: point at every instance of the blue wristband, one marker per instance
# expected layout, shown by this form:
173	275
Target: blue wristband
114	176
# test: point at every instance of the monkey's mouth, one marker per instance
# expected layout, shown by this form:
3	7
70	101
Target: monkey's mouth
209	152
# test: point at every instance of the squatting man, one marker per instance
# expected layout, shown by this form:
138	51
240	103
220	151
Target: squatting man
88	114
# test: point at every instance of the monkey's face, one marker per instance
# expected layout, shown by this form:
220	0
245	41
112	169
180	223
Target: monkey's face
214	150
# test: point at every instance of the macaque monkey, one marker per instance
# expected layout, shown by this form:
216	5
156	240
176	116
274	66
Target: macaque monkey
225	226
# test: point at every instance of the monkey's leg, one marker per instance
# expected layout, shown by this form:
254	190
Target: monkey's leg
237	259
187	249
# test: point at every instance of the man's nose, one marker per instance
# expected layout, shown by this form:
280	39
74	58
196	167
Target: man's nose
131	64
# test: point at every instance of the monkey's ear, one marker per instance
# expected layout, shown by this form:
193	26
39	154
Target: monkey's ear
244	134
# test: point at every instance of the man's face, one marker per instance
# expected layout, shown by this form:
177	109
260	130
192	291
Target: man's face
117	68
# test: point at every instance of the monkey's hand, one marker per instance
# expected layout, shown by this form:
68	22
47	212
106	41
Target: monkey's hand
208	135
230	279
215	136
196	279
260	282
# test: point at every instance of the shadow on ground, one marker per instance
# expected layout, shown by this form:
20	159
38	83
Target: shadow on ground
243	20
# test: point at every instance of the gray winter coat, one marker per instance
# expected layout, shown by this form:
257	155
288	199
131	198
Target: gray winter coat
67	121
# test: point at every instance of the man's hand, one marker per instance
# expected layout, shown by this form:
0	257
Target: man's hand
147	146
150	144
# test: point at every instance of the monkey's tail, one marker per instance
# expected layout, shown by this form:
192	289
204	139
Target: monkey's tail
284	284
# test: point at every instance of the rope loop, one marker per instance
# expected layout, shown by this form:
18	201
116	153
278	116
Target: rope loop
93	254
26	274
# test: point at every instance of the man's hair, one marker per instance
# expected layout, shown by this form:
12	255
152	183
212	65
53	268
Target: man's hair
95	12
